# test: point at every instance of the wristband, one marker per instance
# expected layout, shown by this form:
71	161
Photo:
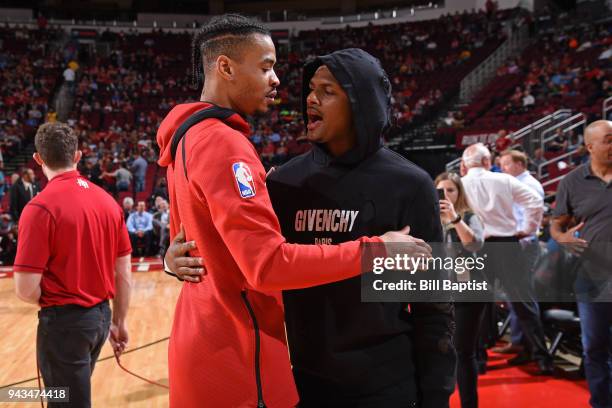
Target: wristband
455	221
169	272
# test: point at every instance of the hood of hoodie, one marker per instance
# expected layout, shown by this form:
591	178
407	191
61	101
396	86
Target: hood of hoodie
369	92
177	116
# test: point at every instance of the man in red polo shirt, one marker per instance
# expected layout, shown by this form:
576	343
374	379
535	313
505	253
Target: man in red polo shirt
73	255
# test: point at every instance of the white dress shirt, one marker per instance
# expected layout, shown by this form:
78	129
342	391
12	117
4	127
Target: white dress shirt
519	213
492	196
69	75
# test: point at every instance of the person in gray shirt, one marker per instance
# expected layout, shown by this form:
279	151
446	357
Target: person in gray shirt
583	224
139	169
123	177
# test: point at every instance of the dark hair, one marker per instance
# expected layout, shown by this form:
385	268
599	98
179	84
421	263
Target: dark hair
56	144
223	34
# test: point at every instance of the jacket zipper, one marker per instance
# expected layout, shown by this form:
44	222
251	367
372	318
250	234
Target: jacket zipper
260	401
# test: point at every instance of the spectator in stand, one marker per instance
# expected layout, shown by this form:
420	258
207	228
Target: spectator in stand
537	160
123	177
575	140
281	154
69	77
503	141
490	7
559	143
140	227
528	100
51	116
2	181
581	156
8	240
21	192
139	170
459	120
603	91
161	188
128	207
161	224
496	166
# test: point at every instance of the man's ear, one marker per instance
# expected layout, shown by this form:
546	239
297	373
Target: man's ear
77	157
38	159
487	163
225	67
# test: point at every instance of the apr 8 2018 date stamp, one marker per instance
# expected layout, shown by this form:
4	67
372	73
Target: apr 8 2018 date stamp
32	394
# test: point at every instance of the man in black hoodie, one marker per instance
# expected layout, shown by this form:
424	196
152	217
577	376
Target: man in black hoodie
346	353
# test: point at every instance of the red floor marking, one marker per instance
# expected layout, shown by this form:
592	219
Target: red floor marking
504	386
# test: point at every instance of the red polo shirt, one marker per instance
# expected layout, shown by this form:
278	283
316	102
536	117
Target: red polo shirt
72	233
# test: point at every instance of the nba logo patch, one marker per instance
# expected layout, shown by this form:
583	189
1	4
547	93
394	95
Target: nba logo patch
244	180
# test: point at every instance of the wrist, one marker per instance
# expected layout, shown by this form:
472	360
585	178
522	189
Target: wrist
456	219
168	271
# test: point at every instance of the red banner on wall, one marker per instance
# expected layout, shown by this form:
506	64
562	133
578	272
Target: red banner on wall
464	139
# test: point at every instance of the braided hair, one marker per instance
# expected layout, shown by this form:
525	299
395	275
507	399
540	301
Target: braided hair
224	34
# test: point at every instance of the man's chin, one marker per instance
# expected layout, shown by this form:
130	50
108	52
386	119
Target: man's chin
312	137
263	109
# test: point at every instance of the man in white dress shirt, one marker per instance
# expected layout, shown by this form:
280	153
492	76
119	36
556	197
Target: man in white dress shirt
492	196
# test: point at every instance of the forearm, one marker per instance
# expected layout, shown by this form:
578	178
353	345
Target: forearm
27	285
557	228
465	233
533	218
293	266
123	288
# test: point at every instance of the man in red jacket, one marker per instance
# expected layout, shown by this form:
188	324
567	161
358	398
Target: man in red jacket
227	347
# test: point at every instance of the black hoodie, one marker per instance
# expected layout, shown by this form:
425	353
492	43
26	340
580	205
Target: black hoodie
340	346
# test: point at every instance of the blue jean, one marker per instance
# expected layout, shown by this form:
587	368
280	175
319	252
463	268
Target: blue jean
123	185
596	325
139	184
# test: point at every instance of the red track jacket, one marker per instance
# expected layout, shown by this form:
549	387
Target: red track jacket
227	347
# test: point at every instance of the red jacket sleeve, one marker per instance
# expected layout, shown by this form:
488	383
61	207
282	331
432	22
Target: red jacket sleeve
244	217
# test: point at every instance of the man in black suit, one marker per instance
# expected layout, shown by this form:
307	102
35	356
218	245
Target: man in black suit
24	189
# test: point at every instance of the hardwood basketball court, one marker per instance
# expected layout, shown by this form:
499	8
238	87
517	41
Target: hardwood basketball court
154	295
